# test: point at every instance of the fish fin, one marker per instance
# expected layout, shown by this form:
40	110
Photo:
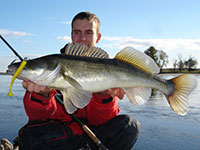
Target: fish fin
80	98
74	98
138	95
47	77
138	59
83	50
178	100
72	81
69	107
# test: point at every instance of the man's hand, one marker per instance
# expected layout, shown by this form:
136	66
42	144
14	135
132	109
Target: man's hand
114	92
32	87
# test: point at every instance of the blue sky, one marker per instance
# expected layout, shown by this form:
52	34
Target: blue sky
42	27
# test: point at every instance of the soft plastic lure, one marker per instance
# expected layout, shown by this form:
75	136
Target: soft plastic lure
21	67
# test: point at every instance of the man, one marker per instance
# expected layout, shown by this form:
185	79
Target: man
101	114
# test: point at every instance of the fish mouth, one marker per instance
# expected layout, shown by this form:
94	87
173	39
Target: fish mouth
12	67
11	70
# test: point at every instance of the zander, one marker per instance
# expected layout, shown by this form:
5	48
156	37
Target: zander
85	70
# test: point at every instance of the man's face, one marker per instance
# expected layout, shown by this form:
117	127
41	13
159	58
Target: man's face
85	32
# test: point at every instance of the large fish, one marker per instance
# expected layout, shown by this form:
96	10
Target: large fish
85	70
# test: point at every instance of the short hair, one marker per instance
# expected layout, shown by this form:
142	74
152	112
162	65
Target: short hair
89	16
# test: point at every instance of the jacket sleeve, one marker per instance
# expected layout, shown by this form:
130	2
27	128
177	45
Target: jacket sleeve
101	109
38	107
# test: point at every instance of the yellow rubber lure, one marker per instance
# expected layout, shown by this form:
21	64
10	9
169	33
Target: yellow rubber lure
21	67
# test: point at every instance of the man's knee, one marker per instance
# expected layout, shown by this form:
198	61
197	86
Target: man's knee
129	131
131	125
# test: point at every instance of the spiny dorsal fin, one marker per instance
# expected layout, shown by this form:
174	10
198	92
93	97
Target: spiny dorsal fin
138	59
83	50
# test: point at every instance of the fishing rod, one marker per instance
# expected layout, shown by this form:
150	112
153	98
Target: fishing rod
91	135
87	130
14	51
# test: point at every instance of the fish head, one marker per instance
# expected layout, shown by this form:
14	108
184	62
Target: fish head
12	67
40	70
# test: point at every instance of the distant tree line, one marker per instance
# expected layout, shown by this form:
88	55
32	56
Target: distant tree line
189	63
161	59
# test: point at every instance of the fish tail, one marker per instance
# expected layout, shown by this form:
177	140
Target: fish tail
178	100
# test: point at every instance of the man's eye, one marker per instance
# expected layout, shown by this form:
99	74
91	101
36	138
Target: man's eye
76	32
89	32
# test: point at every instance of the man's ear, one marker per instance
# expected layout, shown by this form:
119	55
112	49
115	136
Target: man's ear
98	37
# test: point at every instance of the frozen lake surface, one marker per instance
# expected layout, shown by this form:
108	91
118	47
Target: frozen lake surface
162	129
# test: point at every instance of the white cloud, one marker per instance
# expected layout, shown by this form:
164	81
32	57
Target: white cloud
161	44
10	33
64	38
172	46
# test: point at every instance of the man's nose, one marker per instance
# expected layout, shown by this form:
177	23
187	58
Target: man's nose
83	37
